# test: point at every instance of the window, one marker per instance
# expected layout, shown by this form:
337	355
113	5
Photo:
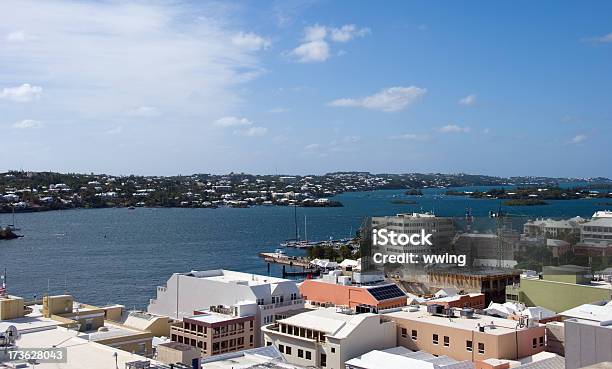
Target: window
481	348
251	339
323	360
300	353
288	350
534	343
469	346
414	335
308	357
404	332
281	348
435	339
446	341
268	343
541	341
333	350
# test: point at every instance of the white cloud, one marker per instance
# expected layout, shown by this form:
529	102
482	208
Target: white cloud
453	128
115	131
280	139
579	138
278	110
107	57
23	93
388	100
601	39
469	100
315	46
312	147
348	32
251	41
253	131
232	122
27	123
144	112
17	36
315	33
313	51
411	137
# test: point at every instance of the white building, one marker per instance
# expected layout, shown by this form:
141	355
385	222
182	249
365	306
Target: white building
597	231
552	228
327	338
442	229
185	293
588	335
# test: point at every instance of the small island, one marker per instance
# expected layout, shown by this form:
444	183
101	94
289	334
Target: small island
525	202
403	202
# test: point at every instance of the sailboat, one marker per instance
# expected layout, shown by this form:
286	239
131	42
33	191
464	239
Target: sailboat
296	241
12	226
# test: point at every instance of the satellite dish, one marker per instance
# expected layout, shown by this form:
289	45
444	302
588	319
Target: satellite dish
12	334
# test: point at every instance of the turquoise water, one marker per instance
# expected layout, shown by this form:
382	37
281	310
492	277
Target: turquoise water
120	255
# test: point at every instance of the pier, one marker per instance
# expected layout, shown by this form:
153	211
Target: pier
294	261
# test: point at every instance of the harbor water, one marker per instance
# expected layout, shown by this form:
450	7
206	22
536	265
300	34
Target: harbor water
119	256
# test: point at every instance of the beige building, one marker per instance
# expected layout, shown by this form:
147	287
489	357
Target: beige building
109	325
11	307
327	337
174	352
219	329
466	336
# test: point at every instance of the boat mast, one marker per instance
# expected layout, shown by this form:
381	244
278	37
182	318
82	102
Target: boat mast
297	236
305	230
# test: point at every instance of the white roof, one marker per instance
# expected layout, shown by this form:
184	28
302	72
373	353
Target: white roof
502	326
453	297
446	292
328	320
592	312
511	308
230	276
399	359
599	222
28	324
80	352
348	262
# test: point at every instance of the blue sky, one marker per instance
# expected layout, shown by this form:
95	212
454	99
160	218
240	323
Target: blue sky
504	88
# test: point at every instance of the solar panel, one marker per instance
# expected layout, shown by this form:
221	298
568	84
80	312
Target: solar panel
387	292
